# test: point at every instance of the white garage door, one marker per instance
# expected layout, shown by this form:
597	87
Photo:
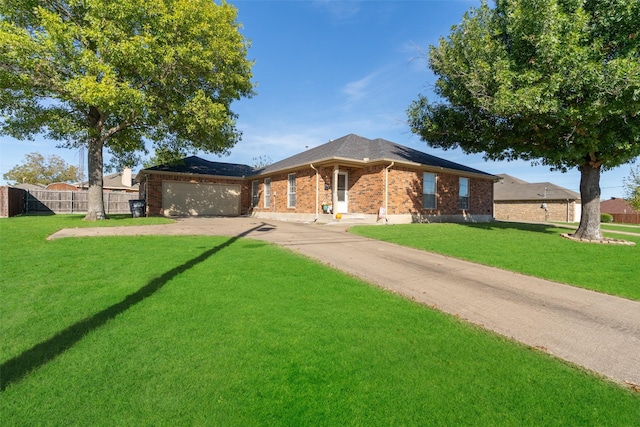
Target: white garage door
186	198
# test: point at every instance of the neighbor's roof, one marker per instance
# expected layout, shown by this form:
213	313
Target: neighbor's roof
198	166
30	187
113	182
513	189
616	205
363	150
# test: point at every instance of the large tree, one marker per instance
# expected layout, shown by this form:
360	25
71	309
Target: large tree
36	169
116	74
555	82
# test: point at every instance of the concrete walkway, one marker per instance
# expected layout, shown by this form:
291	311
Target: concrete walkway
596	331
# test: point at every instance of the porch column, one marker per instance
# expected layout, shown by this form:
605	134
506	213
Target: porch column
334	191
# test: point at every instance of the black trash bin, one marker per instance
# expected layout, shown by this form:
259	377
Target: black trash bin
137	208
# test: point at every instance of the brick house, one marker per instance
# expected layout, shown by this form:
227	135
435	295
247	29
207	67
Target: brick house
616	205
358	178
518	200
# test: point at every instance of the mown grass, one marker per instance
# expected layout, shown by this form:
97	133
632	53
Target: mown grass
76	220
536	250
153	330
627	228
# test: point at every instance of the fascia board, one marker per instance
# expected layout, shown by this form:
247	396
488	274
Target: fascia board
146	172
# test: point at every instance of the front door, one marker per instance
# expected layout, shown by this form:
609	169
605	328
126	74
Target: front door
342	199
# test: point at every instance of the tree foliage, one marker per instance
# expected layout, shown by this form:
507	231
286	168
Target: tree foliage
102	73
162	157
555	82
632	188
36	169
261	161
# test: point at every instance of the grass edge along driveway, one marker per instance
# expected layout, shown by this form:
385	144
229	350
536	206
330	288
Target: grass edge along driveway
224	331
532	249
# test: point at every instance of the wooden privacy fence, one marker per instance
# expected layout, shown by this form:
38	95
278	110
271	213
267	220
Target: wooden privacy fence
630	218
60	202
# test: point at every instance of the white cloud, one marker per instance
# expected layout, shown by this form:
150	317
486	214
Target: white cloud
360	88
340	10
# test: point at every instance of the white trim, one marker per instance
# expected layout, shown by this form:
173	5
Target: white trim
267	193
467	195
435	190
342	206
255	193
291	193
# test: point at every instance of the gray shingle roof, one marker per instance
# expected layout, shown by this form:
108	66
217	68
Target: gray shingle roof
198	166
30	187
351	147
513	189
357	148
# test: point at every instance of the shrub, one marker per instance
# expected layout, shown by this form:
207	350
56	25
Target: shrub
605	217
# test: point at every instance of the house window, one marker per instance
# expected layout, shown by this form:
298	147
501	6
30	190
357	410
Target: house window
429	190
267	192
463	199
291	191
255	194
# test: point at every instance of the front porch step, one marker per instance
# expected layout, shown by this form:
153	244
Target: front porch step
348	218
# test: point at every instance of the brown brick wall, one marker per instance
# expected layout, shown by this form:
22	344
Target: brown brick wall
531	211
305	192
405	194
366	188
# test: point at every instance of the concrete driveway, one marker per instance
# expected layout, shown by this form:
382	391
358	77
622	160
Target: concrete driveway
596	331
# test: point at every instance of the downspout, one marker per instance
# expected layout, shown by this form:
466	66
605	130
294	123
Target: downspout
386	191
317	190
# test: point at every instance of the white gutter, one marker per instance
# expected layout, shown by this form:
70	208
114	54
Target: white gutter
317	189
386	191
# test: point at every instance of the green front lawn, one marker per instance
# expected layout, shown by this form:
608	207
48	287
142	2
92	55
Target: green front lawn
536	250
156	330
627	228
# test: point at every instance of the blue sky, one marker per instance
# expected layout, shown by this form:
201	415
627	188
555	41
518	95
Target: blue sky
327	68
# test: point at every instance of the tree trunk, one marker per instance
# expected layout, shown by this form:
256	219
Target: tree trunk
589	228
95	208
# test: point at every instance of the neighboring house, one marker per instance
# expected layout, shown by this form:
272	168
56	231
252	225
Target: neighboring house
616	205
122	182
353	176
61	186
518	200
29	187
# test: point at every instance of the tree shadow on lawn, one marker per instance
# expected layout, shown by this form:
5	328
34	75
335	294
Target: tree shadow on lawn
13	370
521	226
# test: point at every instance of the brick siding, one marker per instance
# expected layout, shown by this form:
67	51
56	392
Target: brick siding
366	192
531	210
